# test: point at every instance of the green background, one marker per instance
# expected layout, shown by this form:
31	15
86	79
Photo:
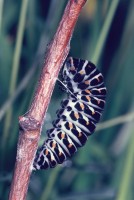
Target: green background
104	34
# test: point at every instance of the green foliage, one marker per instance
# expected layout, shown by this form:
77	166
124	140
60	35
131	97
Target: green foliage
104	34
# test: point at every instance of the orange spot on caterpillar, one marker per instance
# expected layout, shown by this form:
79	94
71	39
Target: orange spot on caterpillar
98	101
72	68
76	115
70	125
53	145
82	106
62	135
87	123
70	145
80	134
88	91
88	98
93	112
60	153
87	82
46	152
81	72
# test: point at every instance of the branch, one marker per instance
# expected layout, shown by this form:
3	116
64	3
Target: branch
31	123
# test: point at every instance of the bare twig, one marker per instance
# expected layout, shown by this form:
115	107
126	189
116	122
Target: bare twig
31	122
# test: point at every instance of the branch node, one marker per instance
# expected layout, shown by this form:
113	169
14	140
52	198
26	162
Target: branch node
28	123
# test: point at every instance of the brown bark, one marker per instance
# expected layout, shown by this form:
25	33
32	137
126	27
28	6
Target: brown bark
31	122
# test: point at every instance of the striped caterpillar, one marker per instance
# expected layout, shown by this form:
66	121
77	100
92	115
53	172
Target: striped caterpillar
78	115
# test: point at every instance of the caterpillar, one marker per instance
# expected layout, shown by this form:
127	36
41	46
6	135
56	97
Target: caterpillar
78	115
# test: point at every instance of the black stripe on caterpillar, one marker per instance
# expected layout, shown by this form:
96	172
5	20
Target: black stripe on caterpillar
78	116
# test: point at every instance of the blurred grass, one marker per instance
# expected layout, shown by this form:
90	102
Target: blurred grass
105	35
125	187
1	14
15	69
104	32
